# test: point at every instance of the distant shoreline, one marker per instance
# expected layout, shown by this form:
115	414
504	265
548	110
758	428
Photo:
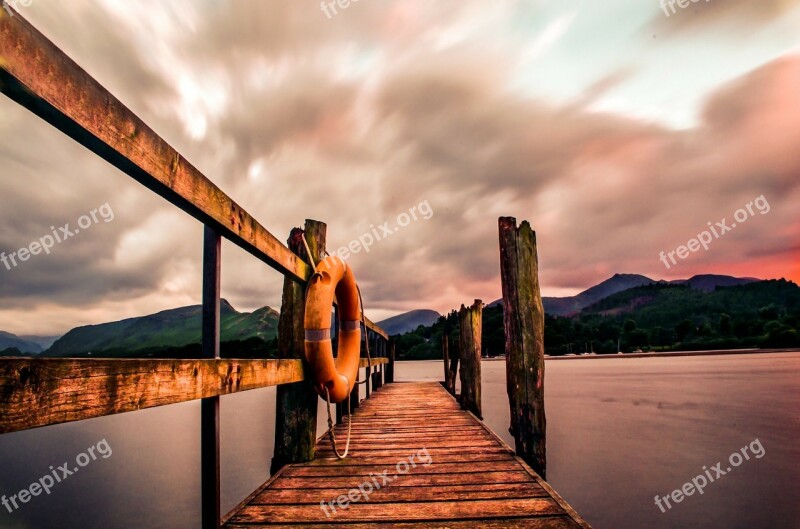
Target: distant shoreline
716	352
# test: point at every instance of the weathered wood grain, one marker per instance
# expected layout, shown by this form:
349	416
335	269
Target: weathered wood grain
384	495
546	522
41	391
523	321
471	328
296	404
399	512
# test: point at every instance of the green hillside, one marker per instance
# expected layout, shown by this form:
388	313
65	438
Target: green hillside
172	333
676	317
661	316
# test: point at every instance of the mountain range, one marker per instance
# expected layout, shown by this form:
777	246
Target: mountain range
570	305
175	328
408	321
702	313
178	331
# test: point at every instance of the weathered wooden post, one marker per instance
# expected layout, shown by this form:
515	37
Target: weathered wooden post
470	319
296	404
390	365
454	359
523	321
450	365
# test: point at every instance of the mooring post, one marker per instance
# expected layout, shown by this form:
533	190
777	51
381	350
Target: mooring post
296	404
470	319
454	359
523	320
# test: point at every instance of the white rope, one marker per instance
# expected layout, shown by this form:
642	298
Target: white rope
331	428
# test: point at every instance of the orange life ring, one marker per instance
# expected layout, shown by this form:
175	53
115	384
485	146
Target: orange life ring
338	375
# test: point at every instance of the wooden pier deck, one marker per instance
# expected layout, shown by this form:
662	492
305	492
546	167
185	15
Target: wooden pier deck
471	479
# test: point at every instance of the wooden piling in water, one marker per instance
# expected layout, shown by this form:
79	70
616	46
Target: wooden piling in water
470	320
296	404
523	320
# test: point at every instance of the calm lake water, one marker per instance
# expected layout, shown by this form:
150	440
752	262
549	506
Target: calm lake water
619	432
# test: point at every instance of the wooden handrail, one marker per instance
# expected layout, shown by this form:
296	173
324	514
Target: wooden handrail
44	391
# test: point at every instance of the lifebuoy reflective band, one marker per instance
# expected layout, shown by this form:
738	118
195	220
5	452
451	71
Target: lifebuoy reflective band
338	375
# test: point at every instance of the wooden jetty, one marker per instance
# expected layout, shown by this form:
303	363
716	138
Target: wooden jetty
473	479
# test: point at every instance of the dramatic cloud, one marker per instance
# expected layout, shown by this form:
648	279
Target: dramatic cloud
614	145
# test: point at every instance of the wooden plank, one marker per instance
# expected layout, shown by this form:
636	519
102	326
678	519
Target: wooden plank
463	458
399	512
546	522
412	480
422	494
439	468
41	391
373	362
398	454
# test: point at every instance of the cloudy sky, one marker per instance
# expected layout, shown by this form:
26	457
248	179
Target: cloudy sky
618	131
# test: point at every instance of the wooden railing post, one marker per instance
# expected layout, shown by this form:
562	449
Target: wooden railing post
209	407
523	319
296	404
354	398
375	374
367	370
446	358
390	364
471	319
